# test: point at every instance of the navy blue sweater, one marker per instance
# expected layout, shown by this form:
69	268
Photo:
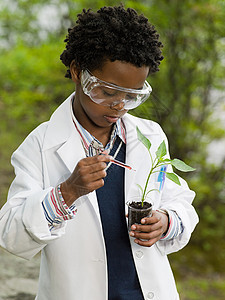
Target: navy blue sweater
122	276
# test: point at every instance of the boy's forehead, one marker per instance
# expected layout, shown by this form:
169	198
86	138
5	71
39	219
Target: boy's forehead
122	74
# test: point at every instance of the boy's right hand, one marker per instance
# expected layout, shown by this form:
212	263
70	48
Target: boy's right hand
87	176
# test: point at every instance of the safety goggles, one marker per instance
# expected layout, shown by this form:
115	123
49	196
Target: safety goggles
109	94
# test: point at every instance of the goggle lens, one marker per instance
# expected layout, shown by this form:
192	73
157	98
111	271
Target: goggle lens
107	94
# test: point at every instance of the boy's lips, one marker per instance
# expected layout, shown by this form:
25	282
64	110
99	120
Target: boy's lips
112	119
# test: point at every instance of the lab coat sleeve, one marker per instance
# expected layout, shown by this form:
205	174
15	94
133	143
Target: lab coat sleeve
24	230
179	199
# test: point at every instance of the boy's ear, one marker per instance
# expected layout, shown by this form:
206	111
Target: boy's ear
75	72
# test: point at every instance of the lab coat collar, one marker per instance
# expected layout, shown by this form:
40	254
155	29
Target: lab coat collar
60	125
62	135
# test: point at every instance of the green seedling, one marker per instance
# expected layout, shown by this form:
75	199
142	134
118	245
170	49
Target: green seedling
160	161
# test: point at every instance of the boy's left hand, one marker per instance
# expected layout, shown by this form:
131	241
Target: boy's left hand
151	230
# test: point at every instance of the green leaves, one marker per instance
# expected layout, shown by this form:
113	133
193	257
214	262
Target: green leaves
173	177
159	161
181	166
143	139
161	151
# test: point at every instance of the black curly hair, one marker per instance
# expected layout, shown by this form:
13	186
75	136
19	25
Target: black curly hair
112	33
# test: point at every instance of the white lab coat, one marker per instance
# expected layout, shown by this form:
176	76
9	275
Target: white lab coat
73	259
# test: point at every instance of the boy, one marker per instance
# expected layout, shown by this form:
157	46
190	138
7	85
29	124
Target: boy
69	201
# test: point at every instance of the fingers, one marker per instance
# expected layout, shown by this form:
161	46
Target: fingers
92	172
94	163
89	172
147	243
147	235
87	176
151	230
92	168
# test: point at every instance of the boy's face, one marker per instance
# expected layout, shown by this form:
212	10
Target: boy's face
93	116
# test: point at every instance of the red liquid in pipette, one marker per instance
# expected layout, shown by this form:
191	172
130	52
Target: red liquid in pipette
119	163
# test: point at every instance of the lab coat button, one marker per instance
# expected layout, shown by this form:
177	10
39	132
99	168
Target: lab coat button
150	295
139	254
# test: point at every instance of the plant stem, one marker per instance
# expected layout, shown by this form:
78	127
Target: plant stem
146	184
149	175
156	163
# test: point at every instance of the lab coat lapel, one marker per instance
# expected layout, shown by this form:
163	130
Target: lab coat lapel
71	152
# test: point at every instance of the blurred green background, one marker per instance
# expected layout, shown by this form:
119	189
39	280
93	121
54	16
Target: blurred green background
188	101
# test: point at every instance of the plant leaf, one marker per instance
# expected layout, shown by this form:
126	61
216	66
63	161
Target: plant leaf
166	160
173	177
181	166
140	188
151	191
161	151
143	139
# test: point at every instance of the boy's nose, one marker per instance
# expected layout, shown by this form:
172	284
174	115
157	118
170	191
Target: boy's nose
119	106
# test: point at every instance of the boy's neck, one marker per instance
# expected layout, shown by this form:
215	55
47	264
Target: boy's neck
102	134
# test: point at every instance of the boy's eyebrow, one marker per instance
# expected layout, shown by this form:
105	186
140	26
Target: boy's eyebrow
116	85
119	86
